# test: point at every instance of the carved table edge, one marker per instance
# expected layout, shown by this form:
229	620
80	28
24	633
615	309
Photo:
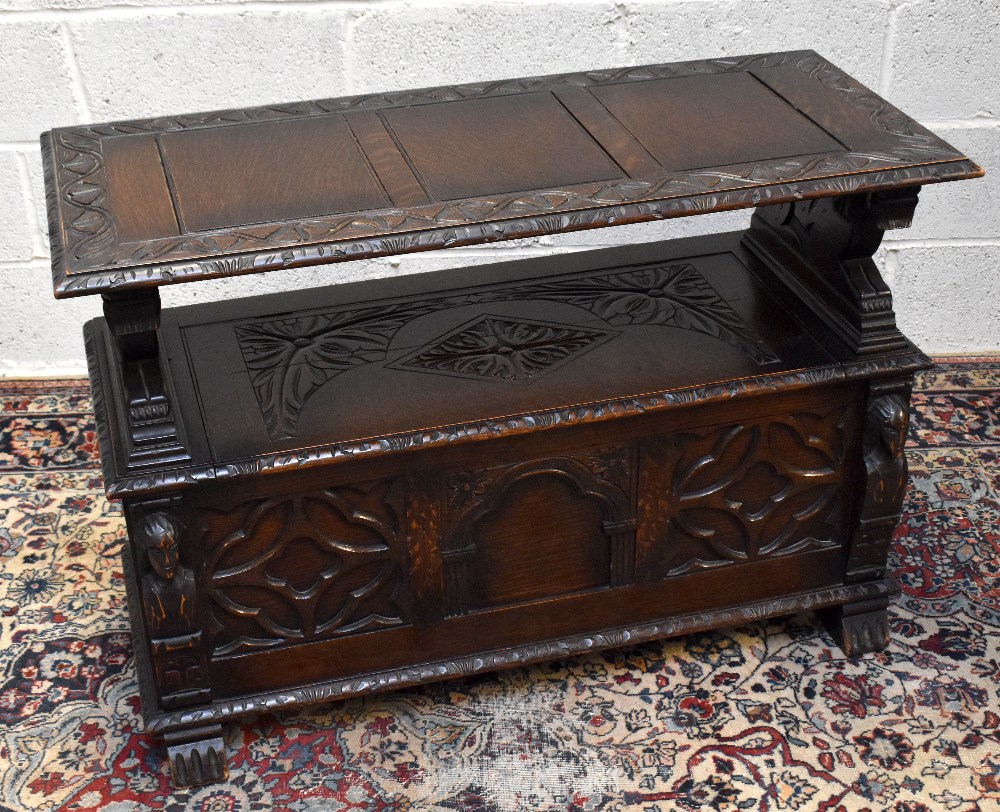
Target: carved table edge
517	656
593	214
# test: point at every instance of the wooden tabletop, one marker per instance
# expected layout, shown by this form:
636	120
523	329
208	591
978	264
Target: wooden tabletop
177	199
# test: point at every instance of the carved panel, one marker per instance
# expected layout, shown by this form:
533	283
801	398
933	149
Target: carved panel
290	359
743	492
506	349
324	564
584	505
672	295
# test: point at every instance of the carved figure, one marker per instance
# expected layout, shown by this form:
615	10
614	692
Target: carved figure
885	462
884	486
168	591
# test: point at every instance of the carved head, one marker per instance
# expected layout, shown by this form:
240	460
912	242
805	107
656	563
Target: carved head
888	414
158	533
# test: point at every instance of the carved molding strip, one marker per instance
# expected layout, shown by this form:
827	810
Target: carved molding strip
93	340
157	481
520	655
289	359
96	260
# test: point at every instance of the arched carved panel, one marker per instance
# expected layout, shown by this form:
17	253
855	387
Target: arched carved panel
323	564
539	528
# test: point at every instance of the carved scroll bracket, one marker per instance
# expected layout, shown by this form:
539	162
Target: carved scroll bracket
822	249
151	429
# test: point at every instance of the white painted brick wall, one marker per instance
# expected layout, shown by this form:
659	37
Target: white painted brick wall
74	61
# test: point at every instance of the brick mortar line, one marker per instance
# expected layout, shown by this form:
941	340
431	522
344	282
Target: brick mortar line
888	39
620	9
979	122
76	75
941	242
973	123
126	10
38	250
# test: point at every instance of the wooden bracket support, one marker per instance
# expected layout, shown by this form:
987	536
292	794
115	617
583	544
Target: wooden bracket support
822	249
152	433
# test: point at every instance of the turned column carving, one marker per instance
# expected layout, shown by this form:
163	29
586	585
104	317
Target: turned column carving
153	436
822	249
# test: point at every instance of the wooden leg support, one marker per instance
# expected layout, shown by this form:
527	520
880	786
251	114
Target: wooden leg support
197	756
859	628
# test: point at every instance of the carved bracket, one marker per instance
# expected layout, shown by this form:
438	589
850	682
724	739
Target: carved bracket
822	250
152	433
197	756
860	627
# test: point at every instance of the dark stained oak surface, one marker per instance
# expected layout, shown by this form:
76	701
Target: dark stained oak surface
188	197
241	175
740	121
367	368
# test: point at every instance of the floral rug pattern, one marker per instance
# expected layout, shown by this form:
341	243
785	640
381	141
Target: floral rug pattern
768	716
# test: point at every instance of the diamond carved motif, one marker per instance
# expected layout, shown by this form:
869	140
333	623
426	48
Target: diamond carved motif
506	349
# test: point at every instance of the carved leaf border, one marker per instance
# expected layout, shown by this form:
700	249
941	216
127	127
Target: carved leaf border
92	250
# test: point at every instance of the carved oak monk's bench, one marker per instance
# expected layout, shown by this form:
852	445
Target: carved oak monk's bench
348	489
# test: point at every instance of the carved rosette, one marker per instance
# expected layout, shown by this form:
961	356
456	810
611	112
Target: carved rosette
738	493
505	349
169	602
326	564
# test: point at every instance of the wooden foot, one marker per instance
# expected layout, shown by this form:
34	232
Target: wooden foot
859	628
197	756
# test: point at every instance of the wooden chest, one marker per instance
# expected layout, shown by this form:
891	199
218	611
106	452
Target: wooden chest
347	489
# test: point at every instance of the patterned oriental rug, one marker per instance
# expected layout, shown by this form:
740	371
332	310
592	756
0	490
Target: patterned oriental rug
764	717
